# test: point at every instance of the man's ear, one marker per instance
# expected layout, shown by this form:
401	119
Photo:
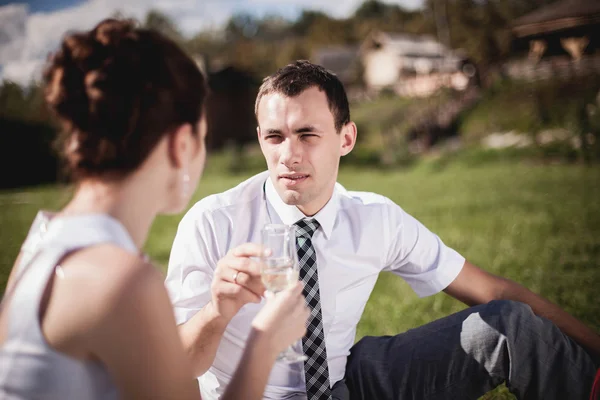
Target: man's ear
348	137
181	145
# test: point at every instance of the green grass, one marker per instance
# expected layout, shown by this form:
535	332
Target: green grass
538	225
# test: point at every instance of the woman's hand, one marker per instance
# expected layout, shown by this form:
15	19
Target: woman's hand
282	320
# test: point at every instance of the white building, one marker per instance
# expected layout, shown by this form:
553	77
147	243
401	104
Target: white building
411	65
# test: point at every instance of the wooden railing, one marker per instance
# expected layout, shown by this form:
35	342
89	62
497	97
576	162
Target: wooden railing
551	68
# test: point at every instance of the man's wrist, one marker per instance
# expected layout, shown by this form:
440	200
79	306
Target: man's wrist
215	316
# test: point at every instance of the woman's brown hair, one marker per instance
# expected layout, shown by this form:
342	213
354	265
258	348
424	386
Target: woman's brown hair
118	89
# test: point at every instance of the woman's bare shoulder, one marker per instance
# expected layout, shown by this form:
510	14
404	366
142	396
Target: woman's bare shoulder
96	287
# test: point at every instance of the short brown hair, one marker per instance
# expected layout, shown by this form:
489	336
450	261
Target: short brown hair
295	78
118	89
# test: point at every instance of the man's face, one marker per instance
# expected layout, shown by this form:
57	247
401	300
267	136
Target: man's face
301	146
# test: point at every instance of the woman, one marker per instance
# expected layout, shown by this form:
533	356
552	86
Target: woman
85	314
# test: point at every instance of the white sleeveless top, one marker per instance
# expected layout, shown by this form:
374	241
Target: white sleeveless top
29	367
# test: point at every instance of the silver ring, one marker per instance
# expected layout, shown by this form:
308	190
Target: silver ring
235	276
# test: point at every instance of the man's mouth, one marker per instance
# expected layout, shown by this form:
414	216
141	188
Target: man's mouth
292	179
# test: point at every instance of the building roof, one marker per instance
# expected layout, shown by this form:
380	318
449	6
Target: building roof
558	16
419	53
407	44
341	60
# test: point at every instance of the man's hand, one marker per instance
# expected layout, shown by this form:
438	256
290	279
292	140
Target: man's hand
237	280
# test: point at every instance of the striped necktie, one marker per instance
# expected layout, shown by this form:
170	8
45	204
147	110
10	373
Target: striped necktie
315	367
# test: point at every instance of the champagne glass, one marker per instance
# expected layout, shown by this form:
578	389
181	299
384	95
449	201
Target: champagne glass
280	270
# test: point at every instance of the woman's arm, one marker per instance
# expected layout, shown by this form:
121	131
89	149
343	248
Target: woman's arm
280	323
138	341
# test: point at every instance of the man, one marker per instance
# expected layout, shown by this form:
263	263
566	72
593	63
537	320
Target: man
345	239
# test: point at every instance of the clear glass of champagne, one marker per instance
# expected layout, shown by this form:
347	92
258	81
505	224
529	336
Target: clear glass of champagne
280	270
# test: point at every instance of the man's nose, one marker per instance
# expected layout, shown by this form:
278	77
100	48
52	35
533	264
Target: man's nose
291	152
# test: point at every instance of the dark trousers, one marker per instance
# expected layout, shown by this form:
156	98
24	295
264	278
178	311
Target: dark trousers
467	354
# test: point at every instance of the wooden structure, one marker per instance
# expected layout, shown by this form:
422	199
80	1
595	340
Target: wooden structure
565	28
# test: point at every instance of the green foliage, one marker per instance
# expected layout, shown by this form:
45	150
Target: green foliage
376	14
12	100
385	125
533	107
27	132
23	103
502	108
162	23
307	19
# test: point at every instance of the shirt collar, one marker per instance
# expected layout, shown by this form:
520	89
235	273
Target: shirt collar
291	214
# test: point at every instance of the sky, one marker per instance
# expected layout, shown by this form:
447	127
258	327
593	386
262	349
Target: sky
29	30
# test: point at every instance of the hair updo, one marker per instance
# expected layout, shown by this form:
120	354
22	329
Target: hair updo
118	89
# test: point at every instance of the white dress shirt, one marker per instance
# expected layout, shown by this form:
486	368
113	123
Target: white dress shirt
360	235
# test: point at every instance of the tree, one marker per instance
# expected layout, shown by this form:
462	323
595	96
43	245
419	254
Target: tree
372	9
375	14
12	101
479	27
306	20
241	25
163	24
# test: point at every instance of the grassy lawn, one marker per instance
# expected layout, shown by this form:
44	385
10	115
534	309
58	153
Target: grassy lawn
538	225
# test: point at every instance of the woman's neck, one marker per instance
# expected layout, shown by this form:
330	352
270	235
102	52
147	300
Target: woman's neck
123	200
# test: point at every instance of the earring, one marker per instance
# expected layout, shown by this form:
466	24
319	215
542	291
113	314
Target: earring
185	185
